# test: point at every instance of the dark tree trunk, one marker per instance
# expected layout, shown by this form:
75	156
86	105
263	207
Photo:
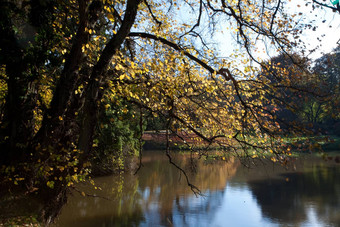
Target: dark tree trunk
55	121
60	122
64	105
21	95
54	200
97	78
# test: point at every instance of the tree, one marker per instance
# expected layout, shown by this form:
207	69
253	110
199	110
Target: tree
328	69
334	8
61	58
311	97
117	136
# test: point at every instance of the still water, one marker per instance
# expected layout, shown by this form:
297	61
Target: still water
307	194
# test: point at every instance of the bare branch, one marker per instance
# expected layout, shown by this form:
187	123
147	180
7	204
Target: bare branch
199	17
274	15
152	15
193	188
90	195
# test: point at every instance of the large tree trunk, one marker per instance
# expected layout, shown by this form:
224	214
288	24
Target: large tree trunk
60	122
98	77
54	130
21	95
62	111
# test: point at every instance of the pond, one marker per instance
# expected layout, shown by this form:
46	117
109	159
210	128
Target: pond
307	194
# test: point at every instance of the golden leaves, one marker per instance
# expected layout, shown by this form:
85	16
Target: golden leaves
111	18
164	79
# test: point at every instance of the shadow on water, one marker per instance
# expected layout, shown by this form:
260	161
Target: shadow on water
295	197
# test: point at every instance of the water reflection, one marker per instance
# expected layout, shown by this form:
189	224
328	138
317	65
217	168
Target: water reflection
234	196
299	196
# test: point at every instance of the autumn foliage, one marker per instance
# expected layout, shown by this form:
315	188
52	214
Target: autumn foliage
74	72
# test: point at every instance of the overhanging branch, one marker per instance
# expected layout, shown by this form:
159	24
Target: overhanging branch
223	71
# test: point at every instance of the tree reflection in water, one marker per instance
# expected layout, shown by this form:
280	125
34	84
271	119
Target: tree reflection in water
171	195
159	196
296	196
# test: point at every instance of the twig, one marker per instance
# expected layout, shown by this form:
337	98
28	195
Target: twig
193	188
90	195
140	139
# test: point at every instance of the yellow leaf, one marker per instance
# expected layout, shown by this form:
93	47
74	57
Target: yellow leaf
50	184
110	17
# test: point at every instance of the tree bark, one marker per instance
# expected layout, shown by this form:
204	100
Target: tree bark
97	78
21	94
53	126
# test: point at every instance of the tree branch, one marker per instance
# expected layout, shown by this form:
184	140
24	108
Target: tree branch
195	189
223	71
152	15
337	8
93	93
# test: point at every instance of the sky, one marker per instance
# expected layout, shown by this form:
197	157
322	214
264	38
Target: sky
330	29
325	38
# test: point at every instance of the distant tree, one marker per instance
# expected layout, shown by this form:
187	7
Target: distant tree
298	85
312	97
327	68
